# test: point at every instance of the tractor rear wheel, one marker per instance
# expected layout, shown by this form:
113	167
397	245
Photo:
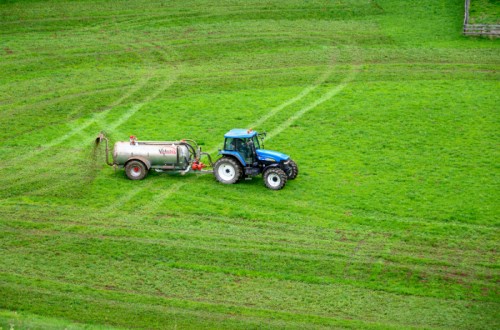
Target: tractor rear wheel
275	178
227	170
136	170
294	170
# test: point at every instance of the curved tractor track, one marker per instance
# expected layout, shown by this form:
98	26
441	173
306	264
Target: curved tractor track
44	179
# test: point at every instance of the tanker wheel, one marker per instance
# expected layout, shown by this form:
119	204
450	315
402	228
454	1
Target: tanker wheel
295	170
227	170
275	178
136	170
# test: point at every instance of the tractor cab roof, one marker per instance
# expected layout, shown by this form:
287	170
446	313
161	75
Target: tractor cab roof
240	133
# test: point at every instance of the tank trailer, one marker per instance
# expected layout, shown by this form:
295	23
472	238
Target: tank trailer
242	157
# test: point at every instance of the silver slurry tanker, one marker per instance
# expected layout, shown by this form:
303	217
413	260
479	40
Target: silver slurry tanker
138	157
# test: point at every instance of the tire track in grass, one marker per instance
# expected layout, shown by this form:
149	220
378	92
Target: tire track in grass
365	246
134	109
371	242
166	307
54	100
300	96
126	116
80	127
166	83
327	96
96	119
192	240
215	243
125	198
154	203
77	130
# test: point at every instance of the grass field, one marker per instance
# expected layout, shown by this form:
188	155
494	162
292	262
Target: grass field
485	12
391	114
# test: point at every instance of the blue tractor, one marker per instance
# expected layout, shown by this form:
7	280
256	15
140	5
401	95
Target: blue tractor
243	157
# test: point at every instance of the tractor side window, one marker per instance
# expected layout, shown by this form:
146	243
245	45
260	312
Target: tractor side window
235	144
229	145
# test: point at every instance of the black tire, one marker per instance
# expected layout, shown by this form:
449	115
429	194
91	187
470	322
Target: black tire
136	170
294	170
275	178
227	170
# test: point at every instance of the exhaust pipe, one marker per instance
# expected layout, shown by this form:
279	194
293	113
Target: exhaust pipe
98	140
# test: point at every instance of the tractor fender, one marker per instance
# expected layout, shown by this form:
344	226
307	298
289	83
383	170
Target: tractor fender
235	155
144	160
273	165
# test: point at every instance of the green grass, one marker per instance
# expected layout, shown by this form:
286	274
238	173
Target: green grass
484	12
391	114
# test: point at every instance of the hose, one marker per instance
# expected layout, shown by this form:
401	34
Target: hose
189	146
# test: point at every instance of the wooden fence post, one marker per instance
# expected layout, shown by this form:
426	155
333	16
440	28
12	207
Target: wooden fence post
466	15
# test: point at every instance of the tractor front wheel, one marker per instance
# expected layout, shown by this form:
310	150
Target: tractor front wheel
227	170
275	178
136	170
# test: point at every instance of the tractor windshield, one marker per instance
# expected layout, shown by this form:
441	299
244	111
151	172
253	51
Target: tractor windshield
256	142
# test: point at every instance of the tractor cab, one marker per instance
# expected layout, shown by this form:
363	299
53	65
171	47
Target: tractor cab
247	147
243	145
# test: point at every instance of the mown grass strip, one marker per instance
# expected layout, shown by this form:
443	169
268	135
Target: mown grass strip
160	311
